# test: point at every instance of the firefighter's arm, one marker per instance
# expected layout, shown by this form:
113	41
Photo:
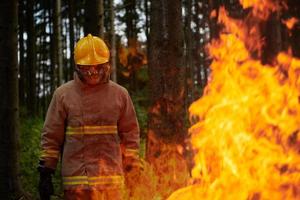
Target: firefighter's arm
129	133
53	133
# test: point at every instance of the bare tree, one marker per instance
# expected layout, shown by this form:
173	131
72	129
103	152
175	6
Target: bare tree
131	19
22	81
71	35
10	187
166	73
57	40
94	17
31	59
113	41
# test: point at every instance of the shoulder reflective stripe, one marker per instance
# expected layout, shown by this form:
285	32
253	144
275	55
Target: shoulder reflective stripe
50	154
92	130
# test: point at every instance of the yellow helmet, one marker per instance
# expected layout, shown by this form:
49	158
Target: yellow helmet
91	50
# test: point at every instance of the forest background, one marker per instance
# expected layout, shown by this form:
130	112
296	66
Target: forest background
158	52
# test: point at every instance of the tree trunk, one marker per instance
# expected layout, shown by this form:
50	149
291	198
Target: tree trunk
294	11
72	37
52	52
93	14
9	134
147	23
189	65
39	59
272	35
295	40
101	20
22	55
203	39
58	40
31	59
166	131
166	71
196	52
113	41
131	19
213	26
189	59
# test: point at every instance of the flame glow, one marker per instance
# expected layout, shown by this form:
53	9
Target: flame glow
247	139
290	23
261	8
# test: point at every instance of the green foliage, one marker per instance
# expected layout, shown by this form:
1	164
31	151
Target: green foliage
30	132
142	75
140	101
29	155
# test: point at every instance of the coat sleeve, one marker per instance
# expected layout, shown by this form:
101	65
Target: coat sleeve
128	129
52	137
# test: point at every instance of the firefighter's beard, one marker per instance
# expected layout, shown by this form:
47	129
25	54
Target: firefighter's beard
92	77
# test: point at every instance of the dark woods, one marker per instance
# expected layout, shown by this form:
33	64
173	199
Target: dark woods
158	52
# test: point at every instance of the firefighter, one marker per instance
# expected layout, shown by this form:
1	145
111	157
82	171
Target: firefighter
92	126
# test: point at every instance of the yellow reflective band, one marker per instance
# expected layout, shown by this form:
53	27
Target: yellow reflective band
75	177
93	183
91	133
84	180
77	183
131	152
92	130
81	128
105	177
90	178
50	154
107	182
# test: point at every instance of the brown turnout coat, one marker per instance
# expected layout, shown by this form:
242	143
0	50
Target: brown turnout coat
86	126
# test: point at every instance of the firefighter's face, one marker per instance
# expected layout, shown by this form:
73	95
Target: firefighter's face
93	74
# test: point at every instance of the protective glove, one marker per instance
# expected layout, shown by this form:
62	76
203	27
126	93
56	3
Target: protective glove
133	169
45	184
132	164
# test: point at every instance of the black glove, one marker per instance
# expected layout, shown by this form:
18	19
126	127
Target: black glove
132	164
45	184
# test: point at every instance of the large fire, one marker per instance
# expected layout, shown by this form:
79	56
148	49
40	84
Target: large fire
247	139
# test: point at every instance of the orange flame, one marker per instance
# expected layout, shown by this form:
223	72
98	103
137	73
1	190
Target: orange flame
261	8
247	138
132	58
290	23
